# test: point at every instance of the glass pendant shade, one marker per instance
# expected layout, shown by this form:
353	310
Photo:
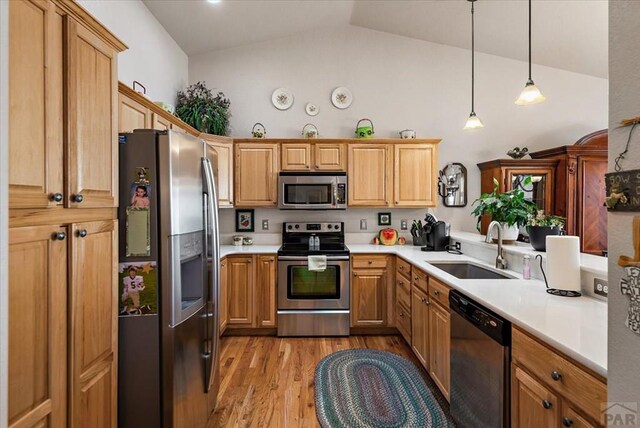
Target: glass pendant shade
473	122
530	95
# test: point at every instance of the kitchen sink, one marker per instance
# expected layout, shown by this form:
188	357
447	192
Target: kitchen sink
470	270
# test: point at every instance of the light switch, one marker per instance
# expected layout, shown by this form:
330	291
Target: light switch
265	224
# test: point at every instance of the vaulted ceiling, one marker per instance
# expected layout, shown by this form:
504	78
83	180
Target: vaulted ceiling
567	34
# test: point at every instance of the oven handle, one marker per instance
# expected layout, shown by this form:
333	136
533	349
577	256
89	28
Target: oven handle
304	258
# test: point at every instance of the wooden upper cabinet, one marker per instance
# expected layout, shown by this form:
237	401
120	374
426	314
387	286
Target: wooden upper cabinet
160	123
92	117
132	115
295	157
415	175
329	157
222	164
256	174
36	113
37	327
266	283
93	307
369	174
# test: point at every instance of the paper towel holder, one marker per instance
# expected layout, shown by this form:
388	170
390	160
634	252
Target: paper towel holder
556	291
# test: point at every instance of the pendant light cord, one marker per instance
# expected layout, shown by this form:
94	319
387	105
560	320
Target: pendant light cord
473	60
530	41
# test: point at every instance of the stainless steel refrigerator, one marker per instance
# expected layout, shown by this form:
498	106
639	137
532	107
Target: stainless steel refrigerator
168	283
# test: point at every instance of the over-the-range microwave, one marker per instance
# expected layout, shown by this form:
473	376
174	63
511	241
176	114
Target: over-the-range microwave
312	191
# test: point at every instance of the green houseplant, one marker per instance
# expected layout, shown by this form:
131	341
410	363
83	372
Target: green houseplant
511	209
539	226
198	107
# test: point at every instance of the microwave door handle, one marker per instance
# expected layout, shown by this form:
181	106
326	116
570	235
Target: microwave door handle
335	194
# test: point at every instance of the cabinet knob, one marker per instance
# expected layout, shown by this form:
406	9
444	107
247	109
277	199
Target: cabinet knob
275	203
401	314
77	198
56	197
396	202
436	292
555	375
546	404
317	166
423	300
566	421
82	233
59	236
355	274
306	166
427	302
370	262
401	267
401	283
416	278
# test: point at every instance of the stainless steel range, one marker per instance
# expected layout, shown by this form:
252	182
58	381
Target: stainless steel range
312	302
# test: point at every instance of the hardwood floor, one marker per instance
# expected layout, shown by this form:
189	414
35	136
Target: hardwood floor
269	381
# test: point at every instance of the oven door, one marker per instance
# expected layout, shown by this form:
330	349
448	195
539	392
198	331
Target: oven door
299	288
315	191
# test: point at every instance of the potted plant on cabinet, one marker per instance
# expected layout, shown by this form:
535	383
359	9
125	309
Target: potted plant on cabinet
511	209
198	107
539	226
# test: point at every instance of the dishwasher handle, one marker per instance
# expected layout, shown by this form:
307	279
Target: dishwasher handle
485	320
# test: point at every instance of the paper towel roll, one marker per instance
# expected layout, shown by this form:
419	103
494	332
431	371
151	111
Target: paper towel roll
563	262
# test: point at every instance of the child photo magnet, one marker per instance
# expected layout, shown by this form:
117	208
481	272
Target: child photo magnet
138	282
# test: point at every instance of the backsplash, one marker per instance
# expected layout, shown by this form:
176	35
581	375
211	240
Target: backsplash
351	218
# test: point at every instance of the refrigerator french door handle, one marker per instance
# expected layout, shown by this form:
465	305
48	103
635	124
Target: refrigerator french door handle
213	289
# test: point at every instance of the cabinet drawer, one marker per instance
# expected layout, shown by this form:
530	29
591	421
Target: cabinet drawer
403	321
560	374
403	290
402	267
419	279
369	261
439	292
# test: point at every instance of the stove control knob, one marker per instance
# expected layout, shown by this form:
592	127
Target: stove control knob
329	226
289	227
337	227
297	226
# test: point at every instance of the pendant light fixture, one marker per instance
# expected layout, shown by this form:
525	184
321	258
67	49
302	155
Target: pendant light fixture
474	121
530	94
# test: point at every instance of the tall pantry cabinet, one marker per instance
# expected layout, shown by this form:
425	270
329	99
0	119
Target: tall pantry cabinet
62	198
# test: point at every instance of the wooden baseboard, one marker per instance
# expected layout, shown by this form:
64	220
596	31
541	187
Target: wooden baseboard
240	331
378	331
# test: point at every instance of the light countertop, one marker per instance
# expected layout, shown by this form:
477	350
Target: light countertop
574	326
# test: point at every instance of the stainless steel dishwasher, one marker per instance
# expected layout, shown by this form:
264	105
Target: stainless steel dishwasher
480	359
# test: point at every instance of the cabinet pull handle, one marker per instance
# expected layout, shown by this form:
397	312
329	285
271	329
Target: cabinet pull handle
555	375
59	236
56	197
566	421
77	198
546	404
82	233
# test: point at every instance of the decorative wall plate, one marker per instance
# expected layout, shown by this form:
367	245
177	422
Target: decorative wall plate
282	99
312	109
341	97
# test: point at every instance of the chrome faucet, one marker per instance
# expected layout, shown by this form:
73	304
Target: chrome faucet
501	262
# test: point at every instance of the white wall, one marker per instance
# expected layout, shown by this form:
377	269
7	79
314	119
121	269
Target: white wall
624	102
4	188
403	83
153	58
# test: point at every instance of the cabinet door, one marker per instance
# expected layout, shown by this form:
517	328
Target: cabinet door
132	115
329	157
35	105
223	305
539	191
93	325
532	404
369	179
296	157
266	291
591	214
369	298
92	97
420	325
160	123
240	290
256	175
37	326
223	172
439	347
572	418
415	175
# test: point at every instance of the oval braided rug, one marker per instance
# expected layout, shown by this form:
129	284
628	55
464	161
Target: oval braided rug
368	388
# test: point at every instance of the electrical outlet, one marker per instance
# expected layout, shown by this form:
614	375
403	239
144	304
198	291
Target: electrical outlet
403	224
363	224
265	224
457	246
600	287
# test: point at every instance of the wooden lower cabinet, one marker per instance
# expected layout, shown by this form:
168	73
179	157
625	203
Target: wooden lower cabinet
251	286
223	304
37	326
420	325
93	324
440	347
368	297
532	404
